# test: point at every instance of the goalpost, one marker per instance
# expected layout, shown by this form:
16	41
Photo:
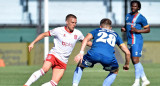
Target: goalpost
46	28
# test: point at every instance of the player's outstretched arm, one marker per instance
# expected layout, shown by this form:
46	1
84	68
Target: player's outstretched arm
85	41
89	43
39	37
127	56
79	57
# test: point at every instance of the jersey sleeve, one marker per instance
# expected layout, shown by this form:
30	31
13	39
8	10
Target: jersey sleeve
144	21
93	32
81	36
53	32
119	40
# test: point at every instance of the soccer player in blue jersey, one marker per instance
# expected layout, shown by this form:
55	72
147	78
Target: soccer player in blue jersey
134	22
102	51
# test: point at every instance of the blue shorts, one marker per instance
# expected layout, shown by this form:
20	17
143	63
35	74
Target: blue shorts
136	49
91	58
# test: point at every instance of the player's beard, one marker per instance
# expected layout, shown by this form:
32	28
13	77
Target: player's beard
134	11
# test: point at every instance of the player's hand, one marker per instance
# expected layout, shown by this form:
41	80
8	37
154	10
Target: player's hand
30	46
133	29
126	67
123	29
78	58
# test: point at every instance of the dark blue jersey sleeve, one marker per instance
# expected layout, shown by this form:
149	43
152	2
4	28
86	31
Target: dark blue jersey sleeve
93	32
118	40
144	21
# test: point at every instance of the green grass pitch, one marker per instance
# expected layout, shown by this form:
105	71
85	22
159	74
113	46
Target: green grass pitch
18	75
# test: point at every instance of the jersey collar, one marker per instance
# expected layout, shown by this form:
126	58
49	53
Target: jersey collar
66	29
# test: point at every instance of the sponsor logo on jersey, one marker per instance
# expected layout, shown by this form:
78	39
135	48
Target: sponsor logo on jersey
67	44
129	23
134	24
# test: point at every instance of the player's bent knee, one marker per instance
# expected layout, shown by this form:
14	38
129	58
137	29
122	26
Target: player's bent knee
115	71
45	69
135	60
46	66
80	65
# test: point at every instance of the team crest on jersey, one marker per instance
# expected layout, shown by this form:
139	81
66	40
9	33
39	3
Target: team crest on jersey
64	35
75	36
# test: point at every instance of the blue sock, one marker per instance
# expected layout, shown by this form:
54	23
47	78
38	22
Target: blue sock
109	79
77	75
141	70
137	70
143	76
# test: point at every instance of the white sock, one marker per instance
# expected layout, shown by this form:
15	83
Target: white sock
136	80
75	84
53	83
144	78
50	83
35	76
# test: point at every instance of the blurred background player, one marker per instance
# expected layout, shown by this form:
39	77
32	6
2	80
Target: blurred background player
102	51
134	22
65	39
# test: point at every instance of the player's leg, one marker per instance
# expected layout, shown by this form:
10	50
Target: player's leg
113	68
86	62
77	75
145	81
136	63
37	74
135	60
139	71
57	72
56	77
50	83
110	78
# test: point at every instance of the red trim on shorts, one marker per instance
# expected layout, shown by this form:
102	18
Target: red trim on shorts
56	63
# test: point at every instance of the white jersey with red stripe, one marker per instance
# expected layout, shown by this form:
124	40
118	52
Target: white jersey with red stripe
64	42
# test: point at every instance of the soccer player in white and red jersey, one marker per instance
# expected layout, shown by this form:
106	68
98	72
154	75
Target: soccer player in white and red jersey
65	39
